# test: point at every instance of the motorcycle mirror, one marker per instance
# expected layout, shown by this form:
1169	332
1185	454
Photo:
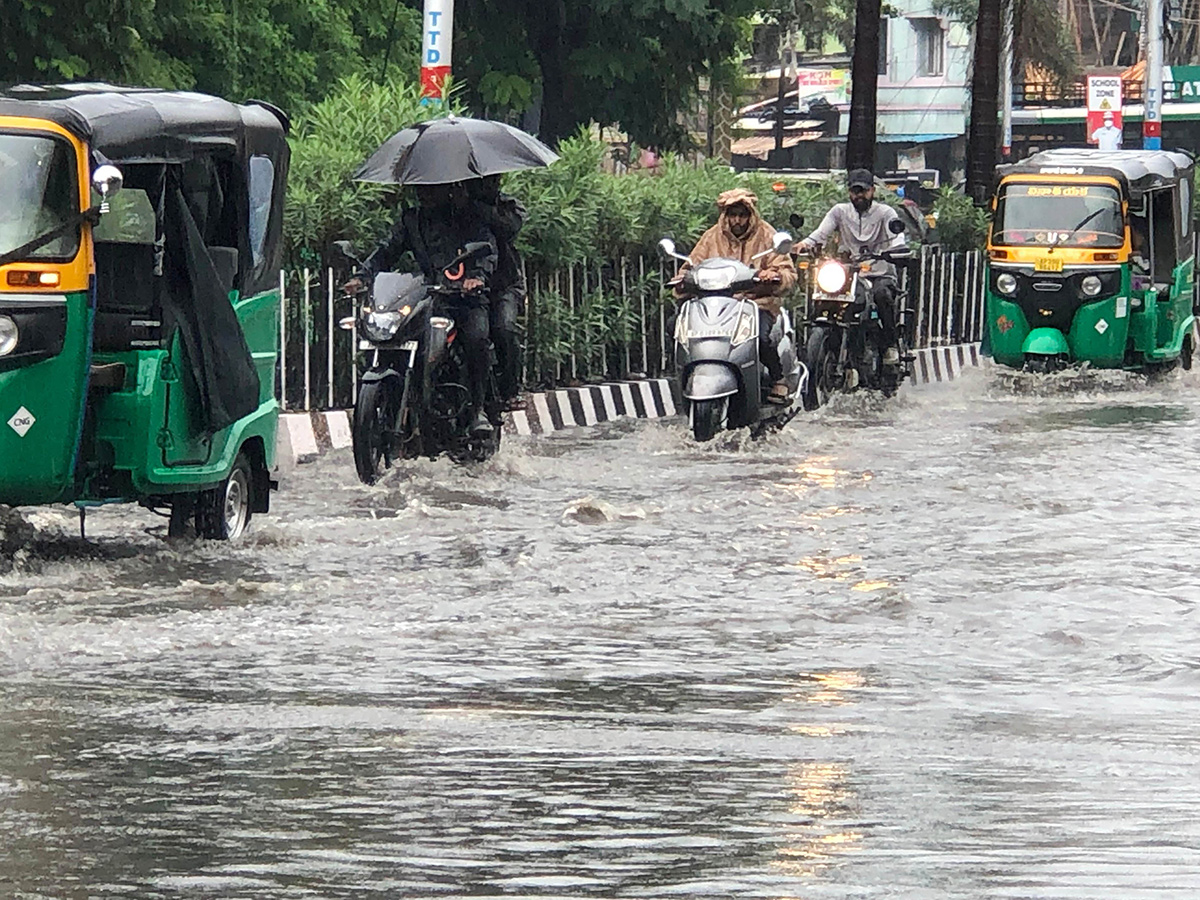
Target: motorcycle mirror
344	250
666	247
783	242
896	226
346	324
796	221
476	249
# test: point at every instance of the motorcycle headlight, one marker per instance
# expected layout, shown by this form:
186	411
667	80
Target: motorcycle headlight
9	335
1006	283
747	328
1090	286
382	326
831	277
715	279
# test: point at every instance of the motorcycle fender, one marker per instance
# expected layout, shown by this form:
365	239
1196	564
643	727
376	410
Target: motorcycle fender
1046	342
710	381
380	375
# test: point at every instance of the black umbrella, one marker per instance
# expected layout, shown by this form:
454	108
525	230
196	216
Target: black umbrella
443	151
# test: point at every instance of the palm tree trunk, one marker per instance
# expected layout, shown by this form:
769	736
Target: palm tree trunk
864	73
983	134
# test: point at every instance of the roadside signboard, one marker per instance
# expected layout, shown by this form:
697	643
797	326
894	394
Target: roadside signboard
1104	113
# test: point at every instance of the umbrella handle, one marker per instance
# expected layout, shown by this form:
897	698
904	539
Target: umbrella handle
462	270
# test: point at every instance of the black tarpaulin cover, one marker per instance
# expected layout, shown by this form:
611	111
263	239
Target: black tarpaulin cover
217	352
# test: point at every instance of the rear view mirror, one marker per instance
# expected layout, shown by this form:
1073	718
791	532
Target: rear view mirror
796	221
667	248
344	251
782	242
477	250
107	180
896	226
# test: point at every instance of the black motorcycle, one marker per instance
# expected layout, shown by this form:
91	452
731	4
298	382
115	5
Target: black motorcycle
844	349
413	398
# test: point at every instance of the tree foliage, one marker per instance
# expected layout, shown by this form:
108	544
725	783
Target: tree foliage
286	51
633	62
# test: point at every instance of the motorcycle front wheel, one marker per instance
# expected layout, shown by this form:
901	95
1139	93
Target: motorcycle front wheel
373	414
820	355
708	418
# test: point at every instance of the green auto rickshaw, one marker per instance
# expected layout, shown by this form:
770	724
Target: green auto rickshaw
1090	260
140	237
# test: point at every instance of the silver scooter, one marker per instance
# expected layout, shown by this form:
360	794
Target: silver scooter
716	348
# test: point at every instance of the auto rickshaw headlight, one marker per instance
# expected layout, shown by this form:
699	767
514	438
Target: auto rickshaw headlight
9	335
1090	286
831	277
1006	283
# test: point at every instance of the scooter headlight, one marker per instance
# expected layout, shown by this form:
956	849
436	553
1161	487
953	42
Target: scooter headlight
747	328
9	335
1006	283
1090	286
831	277
714	279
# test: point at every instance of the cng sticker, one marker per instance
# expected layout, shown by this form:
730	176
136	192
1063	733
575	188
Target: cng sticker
21	421
1102	326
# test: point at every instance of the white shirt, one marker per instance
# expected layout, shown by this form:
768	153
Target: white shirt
1108	137
861	234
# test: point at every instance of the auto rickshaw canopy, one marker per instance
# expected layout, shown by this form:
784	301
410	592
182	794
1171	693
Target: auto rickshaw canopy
1138	171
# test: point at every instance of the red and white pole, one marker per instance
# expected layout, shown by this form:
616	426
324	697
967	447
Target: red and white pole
436	48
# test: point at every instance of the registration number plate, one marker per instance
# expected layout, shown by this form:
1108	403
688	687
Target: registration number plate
1048	265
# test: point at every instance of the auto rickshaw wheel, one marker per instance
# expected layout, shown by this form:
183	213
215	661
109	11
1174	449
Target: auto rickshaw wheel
183	516
1186	353
223	513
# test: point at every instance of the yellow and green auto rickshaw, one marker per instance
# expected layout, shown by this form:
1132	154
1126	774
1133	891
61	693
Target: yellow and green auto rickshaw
1091	261
139	306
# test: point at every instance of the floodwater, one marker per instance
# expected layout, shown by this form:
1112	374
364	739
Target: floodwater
945	647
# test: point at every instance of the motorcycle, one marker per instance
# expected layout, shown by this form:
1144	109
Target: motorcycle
716	347
414	399
844	348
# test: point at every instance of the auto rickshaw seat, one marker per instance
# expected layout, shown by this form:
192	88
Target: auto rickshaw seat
105	377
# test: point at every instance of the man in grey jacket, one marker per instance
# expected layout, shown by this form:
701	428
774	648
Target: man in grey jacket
862	229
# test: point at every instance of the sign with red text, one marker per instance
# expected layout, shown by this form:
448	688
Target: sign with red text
1104	114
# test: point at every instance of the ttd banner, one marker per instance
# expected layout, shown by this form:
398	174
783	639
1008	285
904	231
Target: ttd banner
1104	114
436	48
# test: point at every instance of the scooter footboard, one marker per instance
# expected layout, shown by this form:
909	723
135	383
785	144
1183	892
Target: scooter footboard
710	381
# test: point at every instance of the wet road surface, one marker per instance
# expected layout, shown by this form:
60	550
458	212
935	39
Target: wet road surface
943	648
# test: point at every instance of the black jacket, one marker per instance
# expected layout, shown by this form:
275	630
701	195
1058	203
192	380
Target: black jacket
434	239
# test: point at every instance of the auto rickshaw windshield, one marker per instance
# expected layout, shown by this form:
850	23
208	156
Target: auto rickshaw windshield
39	181
1050	215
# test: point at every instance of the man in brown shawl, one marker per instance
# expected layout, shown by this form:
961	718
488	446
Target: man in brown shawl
741	234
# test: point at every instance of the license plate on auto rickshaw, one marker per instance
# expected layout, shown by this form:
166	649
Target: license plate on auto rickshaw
1048	265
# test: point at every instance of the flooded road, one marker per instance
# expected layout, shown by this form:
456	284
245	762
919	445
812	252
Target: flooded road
944	648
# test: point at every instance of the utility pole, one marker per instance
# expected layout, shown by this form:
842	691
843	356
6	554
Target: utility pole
982	137
864	74
1153	85
1006	84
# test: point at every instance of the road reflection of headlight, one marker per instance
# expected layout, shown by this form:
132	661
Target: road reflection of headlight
9	335
831	277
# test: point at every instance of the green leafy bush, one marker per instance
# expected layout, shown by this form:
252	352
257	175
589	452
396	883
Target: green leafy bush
961	224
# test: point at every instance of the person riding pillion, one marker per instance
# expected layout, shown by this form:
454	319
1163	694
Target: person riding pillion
862	227
435	232
741	234
505	215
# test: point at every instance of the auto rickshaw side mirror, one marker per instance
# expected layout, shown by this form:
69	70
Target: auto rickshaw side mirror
107	180
896	226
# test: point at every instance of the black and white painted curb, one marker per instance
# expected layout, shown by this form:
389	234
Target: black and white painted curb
305	436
